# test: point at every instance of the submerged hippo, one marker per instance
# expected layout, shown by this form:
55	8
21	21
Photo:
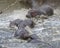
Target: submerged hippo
22	23
22	34
29	23
15	22
43	10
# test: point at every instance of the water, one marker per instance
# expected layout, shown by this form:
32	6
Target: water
48	30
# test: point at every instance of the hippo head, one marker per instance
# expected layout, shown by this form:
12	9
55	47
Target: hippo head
32	13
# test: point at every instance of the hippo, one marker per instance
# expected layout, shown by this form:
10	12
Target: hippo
22	23
43	10
15	23
29	23
22	34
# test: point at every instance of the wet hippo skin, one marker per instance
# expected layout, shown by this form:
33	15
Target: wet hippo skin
29	23
43	10
15	22
22	23
21	34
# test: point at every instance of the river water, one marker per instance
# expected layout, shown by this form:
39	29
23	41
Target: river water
48	30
